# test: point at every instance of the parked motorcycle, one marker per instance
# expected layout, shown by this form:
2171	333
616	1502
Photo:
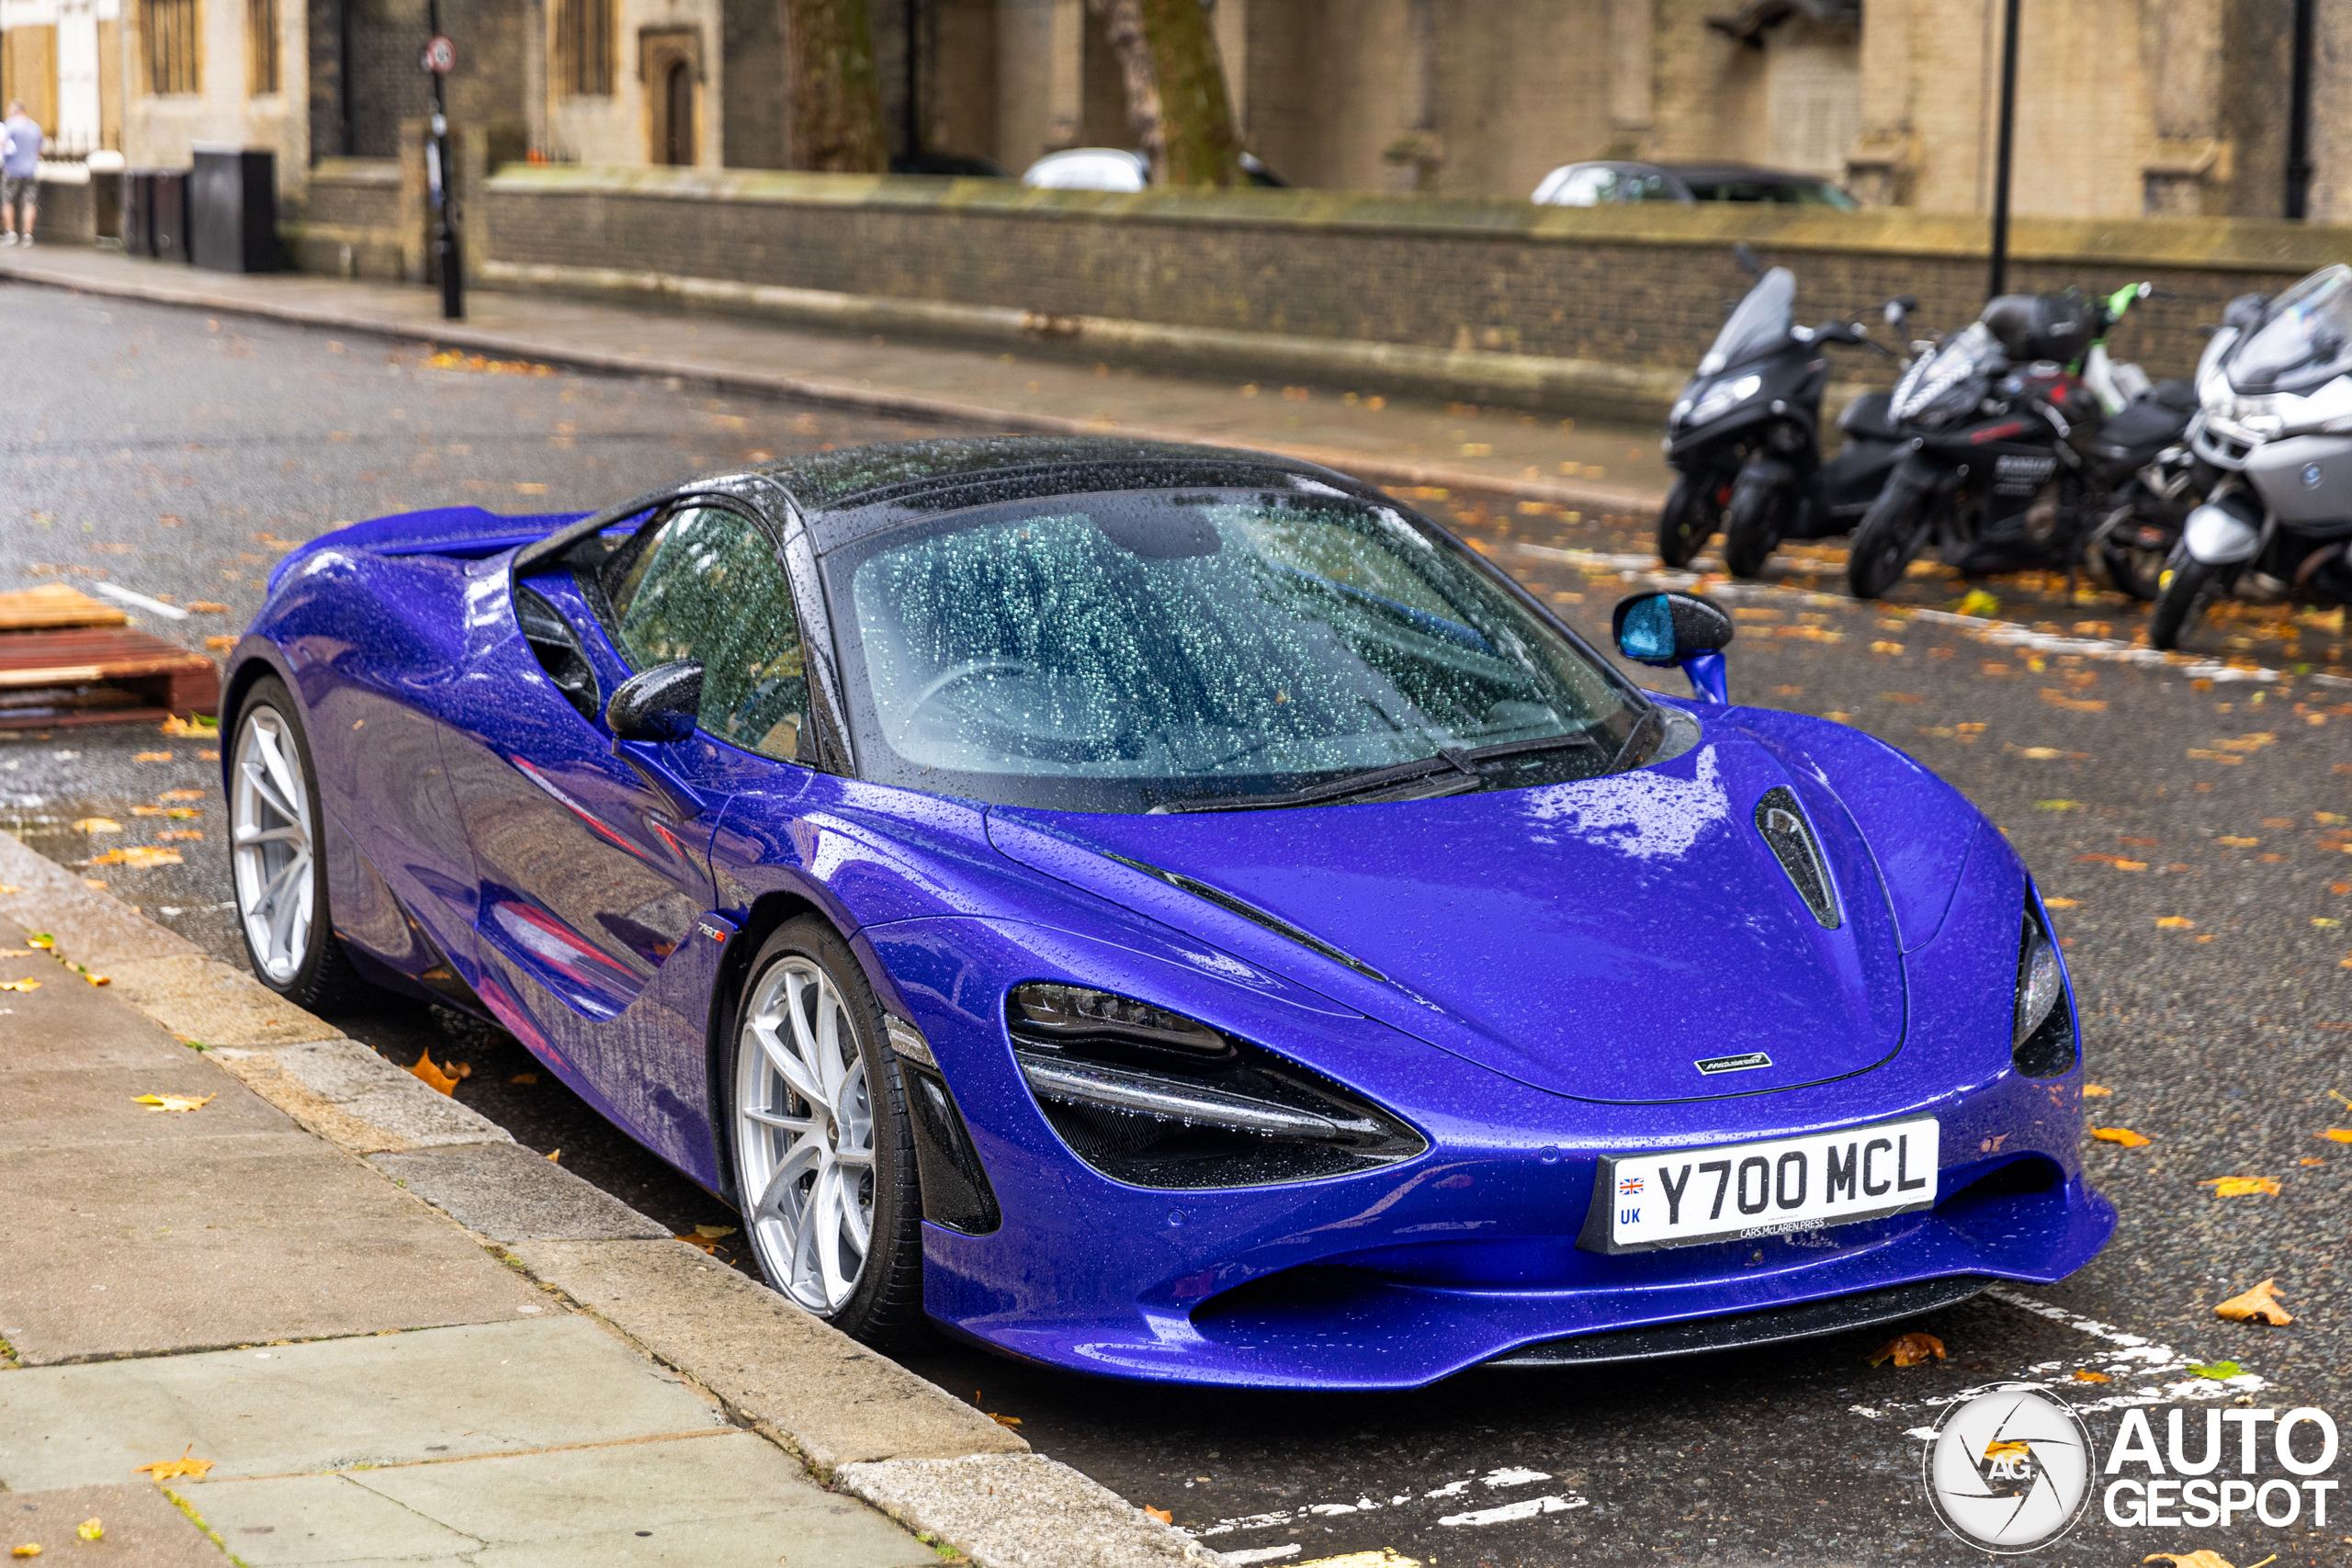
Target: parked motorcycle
2022	432
2273	433
1745	438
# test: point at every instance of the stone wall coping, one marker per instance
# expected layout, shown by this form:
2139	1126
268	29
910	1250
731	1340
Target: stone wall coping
355	172
2154	243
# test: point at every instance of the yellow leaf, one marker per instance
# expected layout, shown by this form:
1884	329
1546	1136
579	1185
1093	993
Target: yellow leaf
40	939
1162	1514
151	757
30	1548
181	795
91	1529
2095	1091
2175	922
137	855
1976	602
432	1076
146	811
173	1101
2057	805
2240	843
1909	1350
2063	903
1004	1420
704	1242
554	1154
2009	1447
2039	753
2259	1304
26	984
97	825
2340	1134
2124	1135
712	1233
2083	1376
2202	1558
167	1469
2242	1186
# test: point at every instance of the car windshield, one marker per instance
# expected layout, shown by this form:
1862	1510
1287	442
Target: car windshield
1141	650
2303	342
1759	325
1782	190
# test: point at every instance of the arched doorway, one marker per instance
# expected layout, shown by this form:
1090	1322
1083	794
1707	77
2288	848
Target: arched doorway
678	113
670	64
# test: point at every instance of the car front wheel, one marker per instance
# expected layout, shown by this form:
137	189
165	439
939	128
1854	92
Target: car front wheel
823	1156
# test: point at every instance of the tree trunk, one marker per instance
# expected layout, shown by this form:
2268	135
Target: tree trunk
1176	97
834	99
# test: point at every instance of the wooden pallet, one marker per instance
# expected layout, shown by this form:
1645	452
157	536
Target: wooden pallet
101	674
55	604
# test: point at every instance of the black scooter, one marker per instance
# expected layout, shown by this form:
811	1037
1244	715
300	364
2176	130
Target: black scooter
1745	438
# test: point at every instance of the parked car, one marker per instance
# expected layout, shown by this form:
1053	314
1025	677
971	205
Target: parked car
1600	184
1116	169
1167	913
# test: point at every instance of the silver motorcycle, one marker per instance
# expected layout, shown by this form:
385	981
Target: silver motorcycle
2271	449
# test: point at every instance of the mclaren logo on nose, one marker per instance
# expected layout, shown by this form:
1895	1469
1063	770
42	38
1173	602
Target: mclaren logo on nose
1745	1062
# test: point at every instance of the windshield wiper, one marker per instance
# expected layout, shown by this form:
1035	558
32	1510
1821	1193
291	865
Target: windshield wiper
1363	783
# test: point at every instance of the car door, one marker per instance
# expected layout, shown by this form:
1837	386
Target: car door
592	855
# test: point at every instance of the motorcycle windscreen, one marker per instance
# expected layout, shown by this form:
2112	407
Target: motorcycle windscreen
1759	325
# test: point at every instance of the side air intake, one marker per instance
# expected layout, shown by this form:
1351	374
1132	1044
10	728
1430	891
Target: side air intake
1783	823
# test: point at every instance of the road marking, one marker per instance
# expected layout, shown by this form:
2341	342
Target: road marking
2001	633
1275	1554
1508	1475
1526	1508
1383	1558
141	601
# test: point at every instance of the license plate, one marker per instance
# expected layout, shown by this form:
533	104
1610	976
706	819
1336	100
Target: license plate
1743	1191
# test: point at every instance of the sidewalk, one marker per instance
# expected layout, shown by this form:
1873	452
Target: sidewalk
1401	442
391	1333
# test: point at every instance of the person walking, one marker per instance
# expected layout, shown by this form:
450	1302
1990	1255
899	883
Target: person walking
20	144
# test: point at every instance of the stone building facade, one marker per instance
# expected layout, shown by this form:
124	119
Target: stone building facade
2127	107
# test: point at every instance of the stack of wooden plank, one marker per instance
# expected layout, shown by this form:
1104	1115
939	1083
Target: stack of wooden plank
66	659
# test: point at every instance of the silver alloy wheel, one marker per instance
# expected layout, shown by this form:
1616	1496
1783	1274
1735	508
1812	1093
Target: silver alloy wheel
804	1134
272	844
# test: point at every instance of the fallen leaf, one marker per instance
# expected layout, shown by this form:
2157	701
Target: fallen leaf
30	1548
2095	1091
92	976
195	724
2259	1304
554	1154
151	757
2057	805
179	813
2063	903
1909	1350
181	795
2202	1558
174	834
24	985
432	1076
712	1233
146	811
1883	647
2124	1135
1976	602
166	1469
1015	1421
1162	1514
137	855
2240	843
2242	1186
40	939
707	1244
2008	1448
2339	1135
524	1078
173	1101
2175	922
2217	1370
91	1529
207	606
97	825
2039	753
221	644
2083	1376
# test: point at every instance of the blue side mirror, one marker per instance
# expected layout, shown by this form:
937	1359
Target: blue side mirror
1681	630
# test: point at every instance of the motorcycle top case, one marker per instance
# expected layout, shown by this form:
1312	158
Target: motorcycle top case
2306	480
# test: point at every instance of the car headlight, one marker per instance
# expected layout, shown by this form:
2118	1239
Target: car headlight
1154	1099
2041	1027
1724	397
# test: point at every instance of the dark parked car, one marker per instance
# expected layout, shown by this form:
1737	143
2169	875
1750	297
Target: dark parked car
1600	184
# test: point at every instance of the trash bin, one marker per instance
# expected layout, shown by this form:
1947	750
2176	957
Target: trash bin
139	213
155	214
233	209
106	194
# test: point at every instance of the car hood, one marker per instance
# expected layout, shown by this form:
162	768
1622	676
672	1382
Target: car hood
1597	939
467	533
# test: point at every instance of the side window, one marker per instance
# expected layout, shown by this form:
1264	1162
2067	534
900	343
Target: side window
704	583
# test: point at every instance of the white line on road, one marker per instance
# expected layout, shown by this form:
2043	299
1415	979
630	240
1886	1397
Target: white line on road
141	601
1510	1513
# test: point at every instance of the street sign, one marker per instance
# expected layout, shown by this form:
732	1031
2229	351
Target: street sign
440	56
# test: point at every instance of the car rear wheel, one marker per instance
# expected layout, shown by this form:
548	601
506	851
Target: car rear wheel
276	866
823	1155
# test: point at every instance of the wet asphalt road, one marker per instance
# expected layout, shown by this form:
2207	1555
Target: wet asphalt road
2196	830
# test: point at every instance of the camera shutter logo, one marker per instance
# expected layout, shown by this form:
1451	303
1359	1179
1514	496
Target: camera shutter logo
2009	1469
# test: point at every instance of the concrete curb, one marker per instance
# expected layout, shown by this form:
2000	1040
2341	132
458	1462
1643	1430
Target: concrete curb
879	1432
1383	471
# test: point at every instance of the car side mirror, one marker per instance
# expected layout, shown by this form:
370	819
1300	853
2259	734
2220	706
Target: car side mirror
1682	629
658	703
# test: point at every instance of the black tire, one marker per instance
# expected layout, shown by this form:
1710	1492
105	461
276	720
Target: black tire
1688	518
323	980
2187	588
1888	537
884	1308
2137	573
1752	526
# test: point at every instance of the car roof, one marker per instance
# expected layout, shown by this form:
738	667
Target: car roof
846	495
1743	172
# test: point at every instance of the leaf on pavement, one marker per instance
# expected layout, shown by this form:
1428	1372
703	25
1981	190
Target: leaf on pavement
1162	1514
193	724
2039	753
713	1233
1015	1421
1976	602
2237	843
2176	922
137	855
181	795
525	1078
91	1528
30	1548
168	1469
40	939
1909	1350
2203	1557
173	1101
2124	1135
2095	1091
554	1154
24	985
706	1236
2339	1135
2217	1370
432	1076
2259	1304
2242	1186
2085	1375
97	825
2057	805
151	757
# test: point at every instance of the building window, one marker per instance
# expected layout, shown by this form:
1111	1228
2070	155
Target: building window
169	28
584	48
261	48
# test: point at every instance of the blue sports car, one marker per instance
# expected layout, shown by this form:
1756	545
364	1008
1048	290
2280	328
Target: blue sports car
1168	913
